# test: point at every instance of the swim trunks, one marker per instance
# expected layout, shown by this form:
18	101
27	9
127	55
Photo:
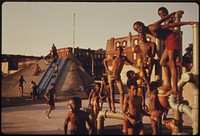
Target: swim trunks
173	41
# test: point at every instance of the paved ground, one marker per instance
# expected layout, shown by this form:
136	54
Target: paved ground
21	116
30	119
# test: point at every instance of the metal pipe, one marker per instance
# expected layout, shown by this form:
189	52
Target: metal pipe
175	103
183	108
107	114
193	112
176	114
195	48
186	77
100	121
180	108
195	107
158	68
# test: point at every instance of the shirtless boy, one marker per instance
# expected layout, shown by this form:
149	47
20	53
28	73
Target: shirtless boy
114	74
33	92
140	81
105	92
50	96
77	119
37	70
55	72
162	12
155	108
21	86
94	98
133	106
147	50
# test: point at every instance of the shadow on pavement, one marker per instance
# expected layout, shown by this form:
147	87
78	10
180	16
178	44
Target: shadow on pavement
117	130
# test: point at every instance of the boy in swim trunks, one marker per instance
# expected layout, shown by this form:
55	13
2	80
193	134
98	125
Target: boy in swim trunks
94	98
114	74
105	92
21	86
132	110
50	96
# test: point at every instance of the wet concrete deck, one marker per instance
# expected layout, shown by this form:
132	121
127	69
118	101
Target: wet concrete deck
31	119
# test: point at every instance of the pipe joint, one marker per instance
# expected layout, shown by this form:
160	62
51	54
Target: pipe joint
101	114
172	102
172	98
190	77
186	77
180	108
195	25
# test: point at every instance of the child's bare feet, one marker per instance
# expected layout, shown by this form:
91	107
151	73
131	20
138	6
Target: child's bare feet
47	116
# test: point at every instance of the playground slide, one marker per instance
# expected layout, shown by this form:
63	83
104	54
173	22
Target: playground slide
47	78
54	80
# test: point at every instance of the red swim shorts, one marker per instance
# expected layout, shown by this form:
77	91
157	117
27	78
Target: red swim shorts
173	41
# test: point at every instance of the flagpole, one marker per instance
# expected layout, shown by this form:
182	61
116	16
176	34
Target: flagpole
73	33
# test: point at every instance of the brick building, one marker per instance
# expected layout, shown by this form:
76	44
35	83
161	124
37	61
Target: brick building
92	60
13	63
129	44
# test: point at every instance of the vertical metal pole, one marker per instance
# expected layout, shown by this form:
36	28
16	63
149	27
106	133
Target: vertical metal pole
158	68
92	66
73	33
178	30
195	107
177	115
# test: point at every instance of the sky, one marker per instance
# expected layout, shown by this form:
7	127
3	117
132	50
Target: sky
30	28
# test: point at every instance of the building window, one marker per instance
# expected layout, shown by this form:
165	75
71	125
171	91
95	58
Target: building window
87	54
136	41
118	44
134	56
124	44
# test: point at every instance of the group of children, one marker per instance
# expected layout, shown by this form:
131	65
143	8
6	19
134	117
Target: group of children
33	90
132	110
133	106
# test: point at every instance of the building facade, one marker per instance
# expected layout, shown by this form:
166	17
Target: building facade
92	60
129	44
13	63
